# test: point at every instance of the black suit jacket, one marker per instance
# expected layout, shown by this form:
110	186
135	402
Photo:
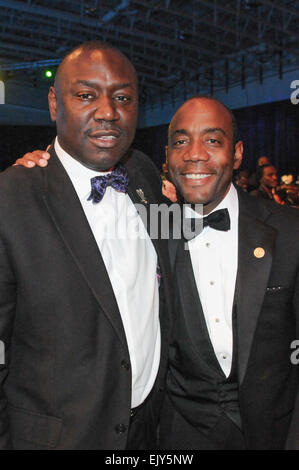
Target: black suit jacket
66	383
267	308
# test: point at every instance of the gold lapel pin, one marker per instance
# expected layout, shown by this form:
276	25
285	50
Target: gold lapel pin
259	252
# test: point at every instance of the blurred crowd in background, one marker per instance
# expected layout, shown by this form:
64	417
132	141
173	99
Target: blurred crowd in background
266	183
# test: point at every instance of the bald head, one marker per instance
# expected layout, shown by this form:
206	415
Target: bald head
217	102
201	153
93	49
94	103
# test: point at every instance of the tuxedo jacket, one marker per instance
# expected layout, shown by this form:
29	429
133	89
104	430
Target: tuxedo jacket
260	192
66	382
267	316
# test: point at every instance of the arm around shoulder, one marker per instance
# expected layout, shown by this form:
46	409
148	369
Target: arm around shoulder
7	314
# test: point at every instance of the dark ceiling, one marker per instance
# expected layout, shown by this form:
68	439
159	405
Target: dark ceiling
177	46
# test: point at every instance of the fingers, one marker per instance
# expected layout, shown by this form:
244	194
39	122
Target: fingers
31	159
169	190
24	162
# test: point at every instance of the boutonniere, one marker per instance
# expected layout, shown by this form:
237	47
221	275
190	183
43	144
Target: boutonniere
141	195
159	275
169	190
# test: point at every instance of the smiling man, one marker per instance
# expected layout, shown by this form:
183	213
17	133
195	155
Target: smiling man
231	383
190	140
83	315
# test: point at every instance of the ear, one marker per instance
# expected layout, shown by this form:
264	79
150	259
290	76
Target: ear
238	155
52	100
166	156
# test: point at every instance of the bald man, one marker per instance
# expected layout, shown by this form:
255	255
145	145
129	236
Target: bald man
233	377
83	300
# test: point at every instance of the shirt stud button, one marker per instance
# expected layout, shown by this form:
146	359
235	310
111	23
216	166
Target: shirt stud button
120	428
125	365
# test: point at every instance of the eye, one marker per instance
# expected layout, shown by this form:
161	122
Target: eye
179	142
214	141
85	96
122	98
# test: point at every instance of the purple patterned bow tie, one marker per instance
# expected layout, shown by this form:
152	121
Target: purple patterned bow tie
118	179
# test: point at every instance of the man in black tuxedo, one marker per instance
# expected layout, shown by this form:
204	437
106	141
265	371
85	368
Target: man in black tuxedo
83	313
231	382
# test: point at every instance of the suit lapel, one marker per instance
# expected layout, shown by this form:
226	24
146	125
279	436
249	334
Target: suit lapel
68	216
253	273
143	196
190	307
141	193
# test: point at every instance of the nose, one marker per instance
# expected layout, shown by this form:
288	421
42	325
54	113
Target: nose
105	109
197	152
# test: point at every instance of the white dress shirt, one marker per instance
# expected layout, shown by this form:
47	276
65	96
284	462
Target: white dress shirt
131	263
214	256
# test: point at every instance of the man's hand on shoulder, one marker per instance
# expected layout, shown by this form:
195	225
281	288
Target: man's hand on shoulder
169	190
31	159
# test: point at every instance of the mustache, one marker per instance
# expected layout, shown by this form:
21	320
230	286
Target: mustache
104	126
196	169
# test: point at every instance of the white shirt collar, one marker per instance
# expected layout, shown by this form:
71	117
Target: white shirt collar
229	202
79	174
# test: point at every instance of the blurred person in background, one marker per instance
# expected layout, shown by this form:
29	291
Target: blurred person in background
253	182
268	182
242	180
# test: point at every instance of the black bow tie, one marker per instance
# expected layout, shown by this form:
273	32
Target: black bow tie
219	220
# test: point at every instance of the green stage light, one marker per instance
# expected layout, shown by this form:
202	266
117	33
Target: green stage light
48	74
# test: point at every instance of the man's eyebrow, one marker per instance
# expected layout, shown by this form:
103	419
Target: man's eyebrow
203	132
94	84
179	132
213	129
